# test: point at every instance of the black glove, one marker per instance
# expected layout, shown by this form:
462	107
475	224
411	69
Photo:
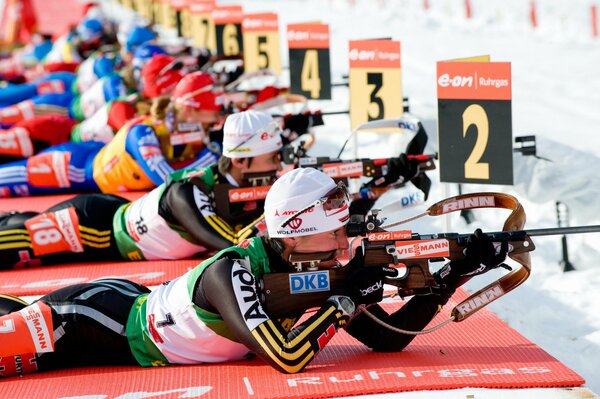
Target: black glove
364	285
481	256
298	124
399	170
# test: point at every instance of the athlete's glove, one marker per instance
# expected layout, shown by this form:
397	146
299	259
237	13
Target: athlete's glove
399	170
364	285
481	256
295	125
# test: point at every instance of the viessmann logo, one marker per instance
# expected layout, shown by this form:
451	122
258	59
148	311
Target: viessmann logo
343	170
422	249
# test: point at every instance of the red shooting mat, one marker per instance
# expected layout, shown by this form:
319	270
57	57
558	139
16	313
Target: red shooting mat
51	15
480	352
41	203
43	279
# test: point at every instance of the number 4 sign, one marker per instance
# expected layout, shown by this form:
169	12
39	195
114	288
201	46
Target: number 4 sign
310	70
375	81
474	120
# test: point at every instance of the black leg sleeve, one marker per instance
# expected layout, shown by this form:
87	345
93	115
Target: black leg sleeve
413	316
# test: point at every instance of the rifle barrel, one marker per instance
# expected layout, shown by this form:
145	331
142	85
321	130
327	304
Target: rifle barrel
564	230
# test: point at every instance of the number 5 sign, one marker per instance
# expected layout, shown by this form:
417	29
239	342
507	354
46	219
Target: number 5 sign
474	120
261	42
375	81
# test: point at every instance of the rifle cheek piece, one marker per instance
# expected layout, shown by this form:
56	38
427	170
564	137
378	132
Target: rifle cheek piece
360	225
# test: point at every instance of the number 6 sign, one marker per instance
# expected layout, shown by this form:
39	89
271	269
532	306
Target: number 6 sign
475	123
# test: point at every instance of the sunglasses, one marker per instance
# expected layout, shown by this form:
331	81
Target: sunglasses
334	200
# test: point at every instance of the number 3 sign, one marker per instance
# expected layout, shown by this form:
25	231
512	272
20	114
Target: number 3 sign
474	122
375	81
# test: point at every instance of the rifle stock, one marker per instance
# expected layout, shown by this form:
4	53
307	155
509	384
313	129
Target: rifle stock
287	294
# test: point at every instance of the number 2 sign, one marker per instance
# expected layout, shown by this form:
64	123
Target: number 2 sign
375	81
475	123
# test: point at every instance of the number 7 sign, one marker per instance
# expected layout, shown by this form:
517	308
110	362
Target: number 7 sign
475	122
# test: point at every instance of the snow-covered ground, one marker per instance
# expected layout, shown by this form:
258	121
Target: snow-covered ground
555	95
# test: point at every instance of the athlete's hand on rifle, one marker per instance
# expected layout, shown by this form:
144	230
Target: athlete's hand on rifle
295	125
364	285
400	170
481	256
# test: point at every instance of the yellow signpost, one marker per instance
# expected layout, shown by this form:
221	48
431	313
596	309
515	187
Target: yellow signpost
261	42
375	81
202	24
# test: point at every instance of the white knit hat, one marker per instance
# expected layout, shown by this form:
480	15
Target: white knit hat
250	133
299	192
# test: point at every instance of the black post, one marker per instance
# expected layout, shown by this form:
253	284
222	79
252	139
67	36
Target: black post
466	214
562	215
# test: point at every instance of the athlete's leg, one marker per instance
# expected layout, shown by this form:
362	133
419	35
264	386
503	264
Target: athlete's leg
77	230
86	327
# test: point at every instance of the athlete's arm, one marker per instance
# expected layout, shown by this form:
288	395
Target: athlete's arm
143	145
227	288
205	158
192	209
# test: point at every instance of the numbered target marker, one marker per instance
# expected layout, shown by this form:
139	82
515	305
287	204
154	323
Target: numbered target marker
202	24
475	122
228	28
375	80
261	42
182	17
145	8
168	18
157	12
310	67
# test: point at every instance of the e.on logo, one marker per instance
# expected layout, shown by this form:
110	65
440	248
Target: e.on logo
362	55
457	81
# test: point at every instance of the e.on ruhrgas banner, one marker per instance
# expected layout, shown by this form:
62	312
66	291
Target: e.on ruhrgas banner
228	27
261	42
310	66
475	122
375	80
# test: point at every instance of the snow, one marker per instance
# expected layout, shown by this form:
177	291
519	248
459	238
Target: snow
555	96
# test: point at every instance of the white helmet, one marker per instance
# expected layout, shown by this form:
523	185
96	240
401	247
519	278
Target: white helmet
305	201
250	133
